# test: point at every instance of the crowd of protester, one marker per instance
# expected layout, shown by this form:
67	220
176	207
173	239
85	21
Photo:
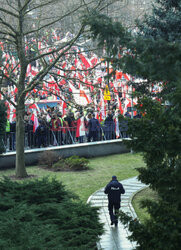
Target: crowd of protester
75	127
54	128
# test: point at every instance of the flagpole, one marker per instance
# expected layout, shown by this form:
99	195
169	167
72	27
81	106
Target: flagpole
108	81
131	101
132	109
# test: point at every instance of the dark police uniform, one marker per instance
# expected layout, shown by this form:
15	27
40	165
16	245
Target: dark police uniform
114	189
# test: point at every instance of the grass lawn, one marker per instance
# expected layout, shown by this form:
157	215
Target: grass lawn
101	170
146	193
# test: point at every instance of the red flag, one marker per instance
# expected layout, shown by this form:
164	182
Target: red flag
34	73
118	75
84	61
126	77
94	61
64	64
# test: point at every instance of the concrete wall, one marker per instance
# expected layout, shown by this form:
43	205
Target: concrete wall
91	149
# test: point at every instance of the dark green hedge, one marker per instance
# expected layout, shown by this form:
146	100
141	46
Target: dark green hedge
41	214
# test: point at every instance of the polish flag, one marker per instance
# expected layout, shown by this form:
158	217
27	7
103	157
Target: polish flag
80	96
35	108
102	107
84	96
117	127
127	104
34	71
80	130
120	105
118	75
94	60
12	113
64	108
84	61
28	70
35	121
76	62
39	45
2	47
126	77
80	77
64	64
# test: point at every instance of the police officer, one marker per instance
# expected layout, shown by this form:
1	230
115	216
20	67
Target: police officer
114	189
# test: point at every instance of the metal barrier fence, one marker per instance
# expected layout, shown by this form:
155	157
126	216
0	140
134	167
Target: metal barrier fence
56	138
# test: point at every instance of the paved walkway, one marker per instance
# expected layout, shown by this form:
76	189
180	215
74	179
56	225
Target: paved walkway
115	238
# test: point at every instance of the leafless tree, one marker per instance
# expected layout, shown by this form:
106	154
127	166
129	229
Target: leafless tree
23	23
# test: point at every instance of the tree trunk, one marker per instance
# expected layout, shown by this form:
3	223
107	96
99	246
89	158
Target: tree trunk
20	129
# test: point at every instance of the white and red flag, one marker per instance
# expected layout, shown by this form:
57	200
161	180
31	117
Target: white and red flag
84	60
34	118
80	130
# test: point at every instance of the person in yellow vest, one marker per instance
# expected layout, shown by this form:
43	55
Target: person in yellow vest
61	128
7	139
7	126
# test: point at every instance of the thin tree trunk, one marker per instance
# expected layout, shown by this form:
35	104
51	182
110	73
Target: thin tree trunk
20	157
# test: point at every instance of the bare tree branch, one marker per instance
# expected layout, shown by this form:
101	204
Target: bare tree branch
8	26
53	22
35	81
9	12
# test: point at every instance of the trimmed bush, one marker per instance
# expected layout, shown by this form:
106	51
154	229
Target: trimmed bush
74	163
41	214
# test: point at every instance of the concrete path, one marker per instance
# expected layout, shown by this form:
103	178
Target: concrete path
115	238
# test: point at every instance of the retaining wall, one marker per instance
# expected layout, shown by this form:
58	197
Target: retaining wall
91	149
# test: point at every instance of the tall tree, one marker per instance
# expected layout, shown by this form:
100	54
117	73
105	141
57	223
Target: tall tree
23	24
153	54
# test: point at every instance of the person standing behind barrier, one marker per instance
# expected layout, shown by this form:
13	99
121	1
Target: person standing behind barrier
109	127
71	127
94	128
114	189
41	134
7	139
61	128
53	125
13	134
29	131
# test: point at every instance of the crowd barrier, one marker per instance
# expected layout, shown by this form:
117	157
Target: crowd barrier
51	138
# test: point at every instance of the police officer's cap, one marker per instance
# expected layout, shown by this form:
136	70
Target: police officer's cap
114	177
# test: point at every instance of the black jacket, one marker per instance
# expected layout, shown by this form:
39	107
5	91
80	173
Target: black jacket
114	189
93	125
109	124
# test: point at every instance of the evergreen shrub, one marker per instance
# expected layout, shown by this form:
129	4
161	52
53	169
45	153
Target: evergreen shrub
41	214
74	163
